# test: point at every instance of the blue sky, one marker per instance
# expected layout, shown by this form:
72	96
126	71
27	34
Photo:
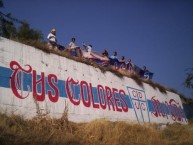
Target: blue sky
155	33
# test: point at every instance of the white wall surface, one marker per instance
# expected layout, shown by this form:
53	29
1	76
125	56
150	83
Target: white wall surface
130	103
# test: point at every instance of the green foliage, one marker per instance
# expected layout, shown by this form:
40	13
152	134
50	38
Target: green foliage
24	32
1	3
7	28
188	83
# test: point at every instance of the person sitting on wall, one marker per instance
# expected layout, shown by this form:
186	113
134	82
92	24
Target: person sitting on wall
114	56
52	41
146	73
130	66
113	60
105	53
122	63
145	69
74	50
72	44
87	48
122	59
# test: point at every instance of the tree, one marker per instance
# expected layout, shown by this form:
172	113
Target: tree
1	4
26	33
188	83
7	27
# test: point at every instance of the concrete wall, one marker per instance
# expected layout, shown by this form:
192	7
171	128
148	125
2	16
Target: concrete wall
58	83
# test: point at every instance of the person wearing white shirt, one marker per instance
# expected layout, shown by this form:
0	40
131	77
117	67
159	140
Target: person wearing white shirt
72	44
52	41
87	48
75	50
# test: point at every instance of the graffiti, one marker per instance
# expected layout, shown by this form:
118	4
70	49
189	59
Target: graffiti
111	99
16	79
16	83
168	109
100	97
77	92
160	110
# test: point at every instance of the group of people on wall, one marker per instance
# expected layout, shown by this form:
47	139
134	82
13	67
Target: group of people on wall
104	59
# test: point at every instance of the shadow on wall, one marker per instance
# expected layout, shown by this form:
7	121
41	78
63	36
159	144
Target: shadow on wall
188	110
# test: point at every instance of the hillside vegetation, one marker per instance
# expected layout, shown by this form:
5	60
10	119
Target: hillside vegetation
14	130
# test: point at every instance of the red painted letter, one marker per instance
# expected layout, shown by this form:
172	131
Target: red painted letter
51	84
82	84
16	81
116	100
123	102
109	98
70	92
101	94
41	81
91	94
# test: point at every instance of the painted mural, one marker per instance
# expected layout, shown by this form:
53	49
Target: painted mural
28	74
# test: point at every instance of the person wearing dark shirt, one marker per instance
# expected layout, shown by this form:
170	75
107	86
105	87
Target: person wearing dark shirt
122	59
105	53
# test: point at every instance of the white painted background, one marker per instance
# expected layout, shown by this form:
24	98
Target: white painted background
64	68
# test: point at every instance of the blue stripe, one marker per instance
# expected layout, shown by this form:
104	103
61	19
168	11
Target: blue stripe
5	75
62	88
150	106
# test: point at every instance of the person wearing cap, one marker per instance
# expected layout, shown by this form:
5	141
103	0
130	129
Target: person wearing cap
52	41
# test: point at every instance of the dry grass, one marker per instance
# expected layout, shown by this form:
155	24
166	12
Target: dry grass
178	134
137	79
101	132
15	130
